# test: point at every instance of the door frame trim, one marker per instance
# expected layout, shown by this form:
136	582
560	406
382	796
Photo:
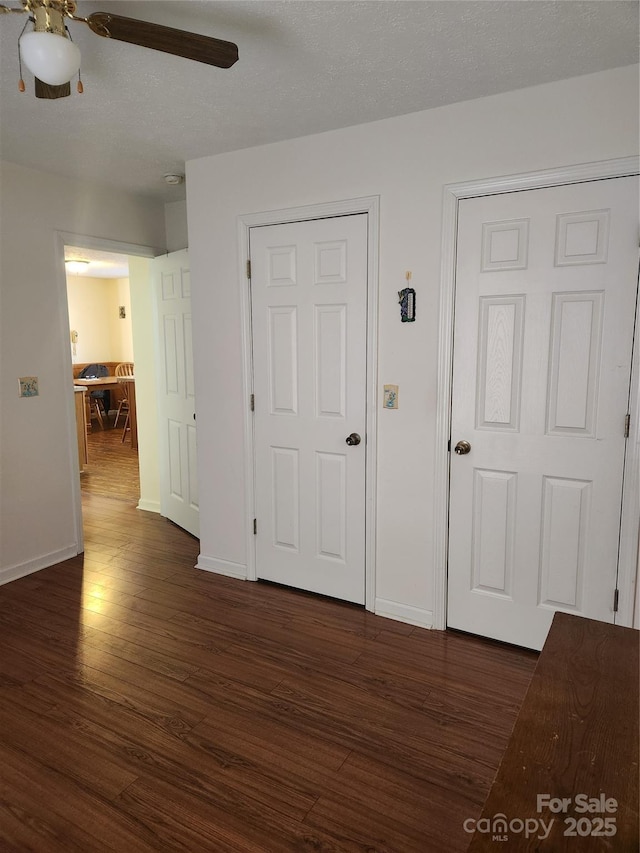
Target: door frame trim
347	207
452	195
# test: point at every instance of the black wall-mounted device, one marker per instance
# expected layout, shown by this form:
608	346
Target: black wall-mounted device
407	300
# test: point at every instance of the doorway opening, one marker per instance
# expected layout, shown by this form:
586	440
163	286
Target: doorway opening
101	341
138	258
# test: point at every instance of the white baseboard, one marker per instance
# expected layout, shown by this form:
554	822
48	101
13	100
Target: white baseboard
222	567
404	613
12	573
149	506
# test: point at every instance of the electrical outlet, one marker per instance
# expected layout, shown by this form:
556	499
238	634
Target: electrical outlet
28	386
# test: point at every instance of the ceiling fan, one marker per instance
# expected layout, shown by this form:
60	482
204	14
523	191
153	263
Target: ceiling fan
53	58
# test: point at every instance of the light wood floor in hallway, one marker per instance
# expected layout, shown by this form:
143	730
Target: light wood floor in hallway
149	706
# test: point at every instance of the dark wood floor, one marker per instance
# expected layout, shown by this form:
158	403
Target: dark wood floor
112	471
149	706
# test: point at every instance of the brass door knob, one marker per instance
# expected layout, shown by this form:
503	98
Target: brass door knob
353	439
462	447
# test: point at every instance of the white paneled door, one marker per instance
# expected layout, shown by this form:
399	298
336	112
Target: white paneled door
309	316
546	285
176	396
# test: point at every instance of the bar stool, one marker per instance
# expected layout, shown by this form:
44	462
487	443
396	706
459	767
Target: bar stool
125	368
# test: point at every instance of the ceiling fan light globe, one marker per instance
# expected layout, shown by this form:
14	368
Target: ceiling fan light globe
50	57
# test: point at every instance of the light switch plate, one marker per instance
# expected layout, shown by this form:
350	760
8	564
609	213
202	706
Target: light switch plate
28	386
390	398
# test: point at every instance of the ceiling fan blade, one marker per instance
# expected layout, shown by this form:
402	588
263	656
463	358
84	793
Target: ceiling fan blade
201	48
45	90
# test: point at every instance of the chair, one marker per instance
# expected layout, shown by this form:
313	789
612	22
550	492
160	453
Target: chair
99	399
125	368
96	410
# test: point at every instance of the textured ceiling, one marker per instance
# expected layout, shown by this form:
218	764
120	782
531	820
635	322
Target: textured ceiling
304	67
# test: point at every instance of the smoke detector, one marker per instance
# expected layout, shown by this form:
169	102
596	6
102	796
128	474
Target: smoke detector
173	180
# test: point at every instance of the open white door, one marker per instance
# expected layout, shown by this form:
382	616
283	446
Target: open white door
546	285
176	395
309	318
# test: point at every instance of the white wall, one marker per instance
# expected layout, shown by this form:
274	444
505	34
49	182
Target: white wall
406	161
37	458
121	326
175	217
143	313
94	313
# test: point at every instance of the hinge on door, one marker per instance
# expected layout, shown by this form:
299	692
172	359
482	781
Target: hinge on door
252	402
249	268
627	425
615	600
449	446
255	526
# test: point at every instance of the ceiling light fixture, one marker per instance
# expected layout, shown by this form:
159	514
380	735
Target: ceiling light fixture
50	54
48	51
76	265
174	180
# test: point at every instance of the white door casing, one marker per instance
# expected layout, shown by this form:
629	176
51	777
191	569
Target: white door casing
309	323
545	302
452	195
371	206
176	393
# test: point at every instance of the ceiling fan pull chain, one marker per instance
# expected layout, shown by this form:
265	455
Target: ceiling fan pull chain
79	86
21	86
